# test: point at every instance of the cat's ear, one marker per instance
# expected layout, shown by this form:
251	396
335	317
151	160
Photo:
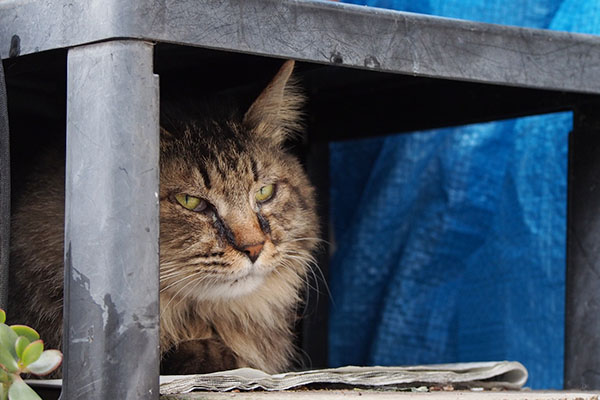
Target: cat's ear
276	112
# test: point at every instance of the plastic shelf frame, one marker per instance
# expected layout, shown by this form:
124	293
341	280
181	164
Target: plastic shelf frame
112	139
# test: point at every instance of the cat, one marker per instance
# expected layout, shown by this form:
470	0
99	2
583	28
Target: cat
238	230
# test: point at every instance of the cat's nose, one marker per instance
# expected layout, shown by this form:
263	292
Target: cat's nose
253	250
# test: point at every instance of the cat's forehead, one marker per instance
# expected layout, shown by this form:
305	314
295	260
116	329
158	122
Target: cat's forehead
199	141
227	152
227	163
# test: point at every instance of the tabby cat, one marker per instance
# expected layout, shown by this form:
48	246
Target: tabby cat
237	231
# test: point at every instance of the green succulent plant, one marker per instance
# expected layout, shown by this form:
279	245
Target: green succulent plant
22	351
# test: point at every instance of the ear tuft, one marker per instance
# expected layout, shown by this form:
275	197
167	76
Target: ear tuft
276	112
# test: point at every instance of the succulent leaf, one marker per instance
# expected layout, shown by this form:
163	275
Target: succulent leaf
19	390
24	330
20	345
7	339
32	352
8	360
48	362
3	392
2	316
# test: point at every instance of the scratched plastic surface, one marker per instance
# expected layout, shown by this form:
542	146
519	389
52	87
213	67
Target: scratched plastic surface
451	244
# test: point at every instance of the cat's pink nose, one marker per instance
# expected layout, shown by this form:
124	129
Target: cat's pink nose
253	250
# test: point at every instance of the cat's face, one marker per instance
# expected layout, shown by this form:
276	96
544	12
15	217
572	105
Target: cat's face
235	208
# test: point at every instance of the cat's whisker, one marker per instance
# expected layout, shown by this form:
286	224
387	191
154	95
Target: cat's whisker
290	265
316	281
167	275
196	276
187	270
307	285
172	276
302	258
309	257
194	282
176	282
311	262
312	239
169	266
191	280
169	278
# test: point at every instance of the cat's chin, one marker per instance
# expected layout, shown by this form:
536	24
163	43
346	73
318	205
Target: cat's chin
231	289
245	285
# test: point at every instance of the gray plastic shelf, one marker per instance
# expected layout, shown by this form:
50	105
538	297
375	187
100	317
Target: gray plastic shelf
316	31
355	62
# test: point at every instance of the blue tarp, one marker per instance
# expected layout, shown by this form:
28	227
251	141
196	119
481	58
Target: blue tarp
450	244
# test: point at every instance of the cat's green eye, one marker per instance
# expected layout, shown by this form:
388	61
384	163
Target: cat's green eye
190	202
264	193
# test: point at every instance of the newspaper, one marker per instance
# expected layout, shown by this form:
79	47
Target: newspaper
502	374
